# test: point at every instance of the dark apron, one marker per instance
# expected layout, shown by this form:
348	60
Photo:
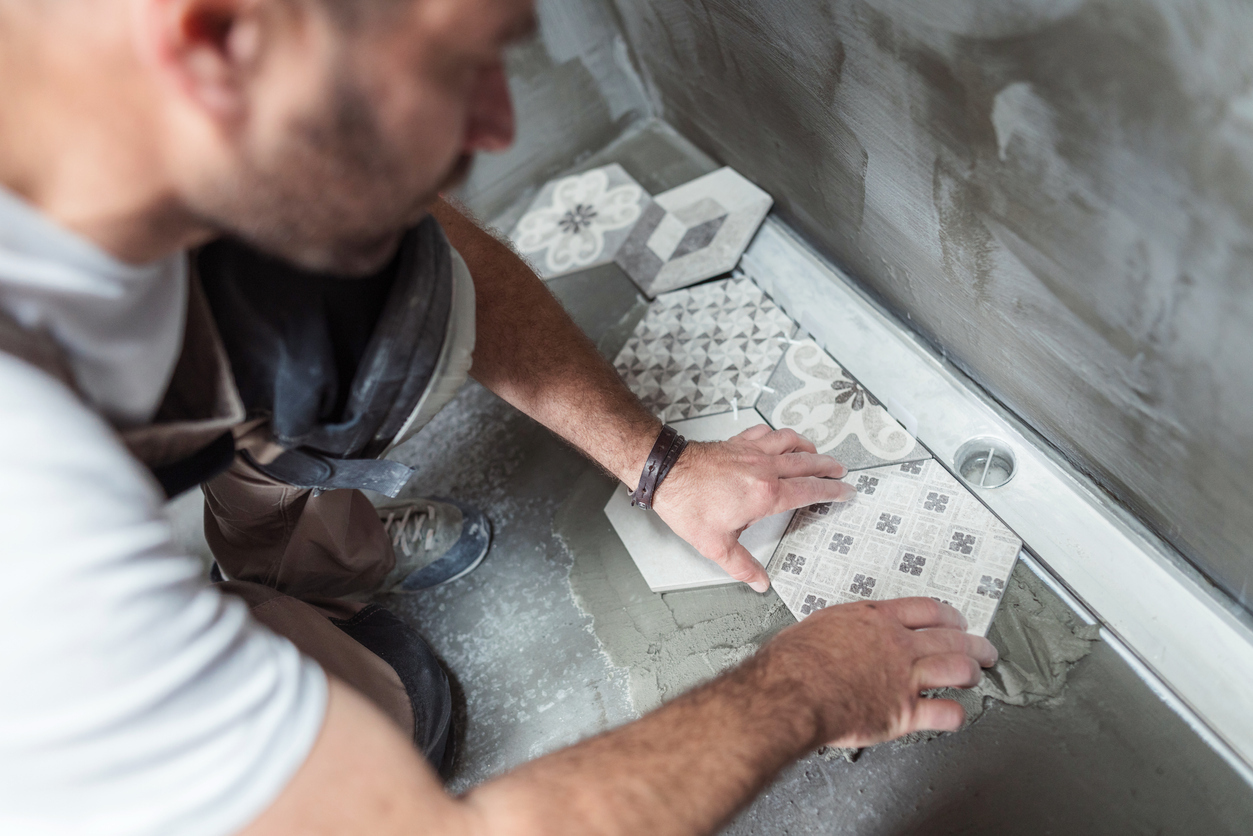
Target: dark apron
336	365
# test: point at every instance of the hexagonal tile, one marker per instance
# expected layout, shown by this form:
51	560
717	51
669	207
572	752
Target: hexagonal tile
694	232
580	221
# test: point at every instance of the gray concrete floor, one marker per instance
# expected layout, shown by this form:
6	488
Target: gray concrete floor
538	671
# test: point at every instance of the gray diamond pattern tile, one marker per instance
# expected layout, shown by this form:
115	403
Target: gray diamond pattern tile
694	232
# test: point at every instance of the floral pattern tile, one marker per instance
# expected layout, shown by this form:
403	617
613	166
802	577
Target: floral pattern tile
694	232
580	221
705	350
912	530
811	393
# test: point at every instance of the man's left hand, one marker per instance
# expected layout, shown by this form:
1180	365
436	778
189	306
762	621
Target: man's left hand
718	489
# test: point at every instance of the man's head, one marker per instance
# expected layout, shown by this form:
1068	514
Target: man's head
316	129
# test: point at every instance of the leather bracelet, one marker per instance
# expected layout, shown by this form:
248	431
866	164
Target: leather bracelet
666	451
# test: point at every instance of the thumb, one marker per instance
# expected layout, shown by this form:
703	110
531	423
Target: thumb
739	564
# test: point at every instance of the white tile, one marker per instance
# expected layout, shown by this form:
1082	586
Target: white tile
694	232
665	560
912	530
581	221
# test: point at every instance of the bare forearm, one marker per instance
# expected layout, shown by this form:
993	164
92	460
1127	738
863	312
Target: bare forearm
531	354
685	769
680	771
849	674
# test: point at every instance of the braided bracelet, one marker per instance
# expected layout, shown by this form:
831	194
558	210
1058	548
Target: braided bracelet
666	451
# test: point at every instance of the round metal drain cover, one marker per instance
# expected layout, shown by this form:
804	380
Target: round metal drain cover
985	462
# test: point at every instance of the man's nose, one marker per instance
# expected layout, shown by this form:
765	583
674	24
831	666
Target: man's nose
491	123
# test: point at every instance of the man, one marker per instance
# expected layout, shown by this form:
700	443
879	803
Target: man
138	699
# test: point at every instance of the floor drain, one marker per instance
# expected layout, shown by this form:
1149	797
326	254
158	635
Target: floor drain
985	462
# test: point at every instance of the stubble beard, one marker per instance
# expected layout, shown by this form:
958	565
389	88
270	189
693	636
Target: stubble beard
337	199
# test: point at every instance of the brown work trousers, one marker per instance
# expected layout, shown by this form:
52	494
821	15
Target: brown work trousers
304	564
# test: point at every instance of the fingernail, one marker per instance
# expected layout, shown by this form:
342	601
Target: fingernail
965	623
760	586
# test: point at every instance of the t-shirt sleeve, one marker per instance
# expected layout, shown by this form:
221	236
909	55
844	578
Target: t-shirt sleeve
134	697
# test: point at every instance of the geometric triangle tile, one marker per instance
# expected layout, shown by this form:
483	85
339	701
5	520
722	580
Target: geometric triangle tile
705	349
912	530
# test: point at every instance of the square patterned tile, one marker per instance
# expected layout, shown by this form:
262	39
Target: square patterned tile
705	350
694	232
580	221
665	560
912	530
811	393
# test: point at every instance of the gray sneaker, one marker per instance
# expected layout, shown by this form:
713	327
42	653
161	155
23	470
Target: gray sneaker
435	540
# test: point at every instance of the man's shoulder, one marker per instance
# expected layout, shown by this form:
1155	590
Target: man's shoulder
42	401
52	442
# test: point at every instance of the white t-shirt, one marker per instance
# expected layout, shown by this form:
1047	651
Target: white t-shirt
134	698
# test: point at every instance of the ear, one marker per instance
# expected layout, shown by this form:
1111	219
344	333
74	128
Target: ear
207	48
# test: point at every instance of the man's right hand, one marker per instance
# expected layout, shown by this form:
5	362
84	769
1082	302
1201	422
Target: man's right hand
862	667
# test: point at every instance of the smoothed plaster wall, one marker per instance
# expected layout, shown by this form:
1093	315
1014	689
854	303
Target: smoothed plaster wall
1057	193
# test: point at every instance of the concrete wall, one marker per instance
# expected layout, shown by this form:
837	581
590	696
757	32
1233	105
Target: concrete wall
1058	194
574	91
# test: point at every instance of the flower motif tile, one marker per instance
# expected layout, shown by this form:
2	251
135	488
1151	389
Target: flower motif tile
580	221
811	393
694	232
705	350
914	531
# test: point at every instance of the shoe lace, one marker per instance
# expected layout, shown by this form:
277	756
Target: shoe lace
411	531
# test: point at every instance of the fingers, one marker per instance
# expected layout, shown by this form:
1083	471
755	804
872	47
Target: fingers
784	441
754	433
792	465
807	490
940	641
937	715
920	613
946	670
739	564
